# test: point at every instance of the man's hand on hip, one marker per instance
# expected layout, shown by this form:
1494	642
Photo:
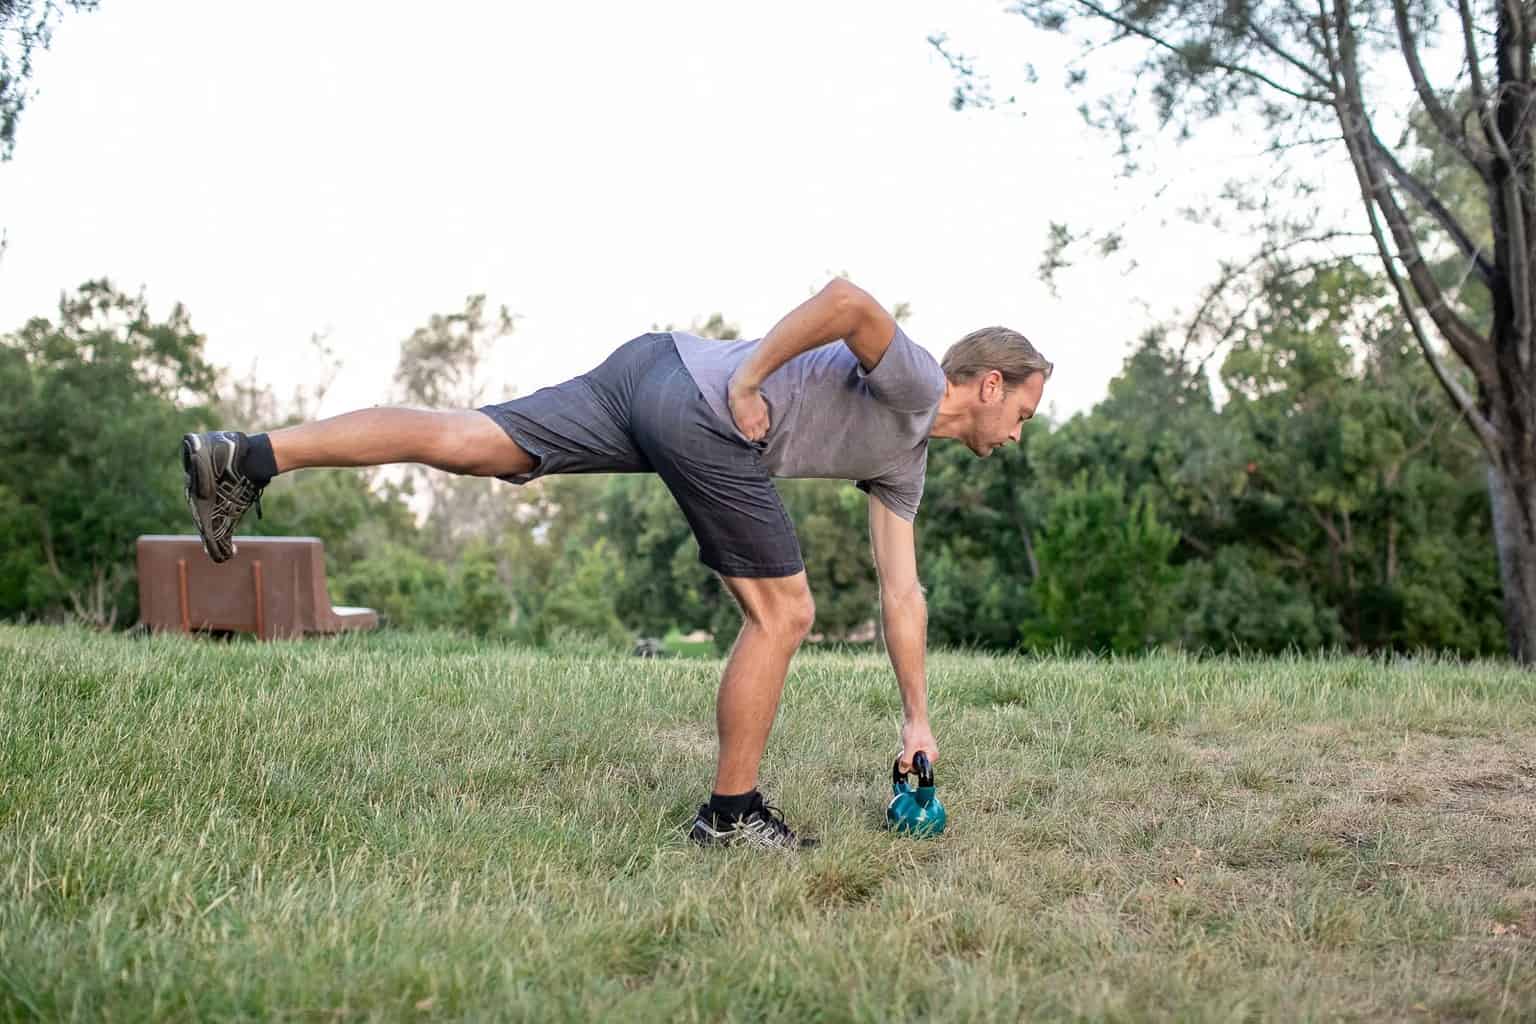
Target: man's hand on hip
917	736
749	409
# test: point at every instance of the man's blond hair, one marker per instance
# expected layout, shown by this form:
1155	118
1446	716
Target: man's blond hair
994	348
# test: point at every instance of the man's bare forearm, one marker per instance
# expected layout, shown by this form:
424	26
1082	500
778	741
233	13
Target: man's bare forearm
905	618
829	315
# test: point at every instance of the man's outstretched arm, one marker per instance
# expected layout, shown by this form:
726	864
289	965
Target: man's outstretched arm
841	310
904	616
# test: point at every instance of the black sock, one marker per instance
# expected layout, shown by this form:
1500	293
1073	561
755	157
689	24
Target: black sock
722	806
259	463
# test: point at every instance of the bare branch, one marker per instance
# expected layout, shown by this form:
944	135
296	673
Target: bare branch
1267	252
1273	45
1471	347
973	89
1157	40
1481	428
1373	191
1479	91
1444	122
1281	147
1328	50
1432	204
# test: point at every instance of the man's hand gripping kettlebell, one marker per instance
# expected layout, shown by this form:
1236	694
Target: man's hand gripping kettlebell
917	736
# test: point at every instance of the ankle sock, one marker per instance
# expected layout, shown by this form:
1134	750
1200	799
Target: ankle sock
259	463
722	806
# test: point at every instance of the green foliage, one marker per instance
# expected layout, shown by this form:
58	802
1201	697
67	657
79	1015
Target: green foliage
347	509
440	363
976	537
1332	500
406	587
1104	570
412	590
580	603
1356	469
831	518
1236	602
484	603
95	401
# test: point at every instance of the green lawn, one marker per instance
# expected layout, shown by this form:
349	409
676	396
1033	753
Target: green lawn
398	827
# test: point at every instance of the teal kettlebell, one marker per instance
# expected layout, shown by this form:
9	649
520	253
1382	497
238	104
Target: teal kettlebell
917	811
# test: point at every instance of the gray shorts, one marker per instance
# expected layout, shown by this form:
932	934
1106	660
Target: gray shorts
641	412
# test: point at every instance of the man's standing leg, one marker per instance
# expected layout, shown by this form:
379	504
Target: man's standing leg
777	613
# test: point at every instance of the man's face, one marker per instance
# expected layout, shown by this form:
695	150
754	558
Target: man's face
1001	415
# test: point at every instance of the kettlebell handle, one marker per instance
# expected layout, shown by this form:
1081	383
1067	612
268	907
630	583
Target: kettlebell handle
920	765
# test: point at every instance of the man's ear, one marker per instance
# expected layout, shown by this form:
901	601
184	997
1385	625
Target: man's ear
993	386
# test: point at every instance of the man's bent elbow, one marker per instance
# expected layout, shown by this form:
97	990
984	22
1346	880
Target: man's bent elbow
849	302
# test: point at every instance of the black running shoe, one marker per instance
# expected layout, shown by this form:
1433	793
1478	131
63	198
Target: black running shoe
761	826
218	491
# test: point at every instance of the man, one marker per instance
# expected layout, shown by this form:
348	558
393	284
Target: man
717	421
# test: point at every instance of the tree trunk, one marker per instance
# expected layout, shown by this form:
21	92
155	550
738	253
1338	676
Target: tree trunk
1513	500
1512	407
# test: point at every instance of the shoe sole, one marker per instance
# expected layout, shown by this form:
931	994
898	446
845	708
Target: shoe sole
199	481
710	839
199	485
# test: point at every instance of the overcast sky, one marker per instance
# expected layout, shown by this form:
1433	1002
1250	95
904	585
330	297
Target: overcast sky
600	168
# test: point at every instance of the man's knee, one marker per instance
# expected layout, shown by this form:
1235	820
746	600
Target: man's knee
472	444
801	616
782	606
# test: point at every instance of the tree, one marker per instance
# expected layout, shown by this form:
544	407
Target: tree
1104	570
442	366
94	403
26	26
1311	75
978	534
1329	501
1354	474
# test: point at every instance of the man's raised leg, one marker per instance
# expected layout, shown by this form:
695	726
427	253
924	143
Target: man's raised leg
465	442
227	471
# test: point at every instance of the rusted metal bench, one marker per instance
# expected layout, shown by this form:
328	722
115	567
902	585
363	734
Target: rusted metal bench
273	587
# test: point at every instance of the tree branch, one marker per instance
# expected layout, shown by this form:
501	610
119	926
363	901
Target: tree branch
1360	157
1479	91
1471	347
1432	204
1444	123
1157	40
1328	51
1481	428
1234	272
53	567
1274	47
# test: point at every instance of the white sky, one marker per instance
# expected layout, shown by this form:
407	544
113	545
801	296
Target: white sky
600	168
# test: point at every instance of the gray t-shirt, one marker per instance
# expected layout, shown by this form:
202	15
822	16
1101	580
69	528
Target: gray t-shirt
828	418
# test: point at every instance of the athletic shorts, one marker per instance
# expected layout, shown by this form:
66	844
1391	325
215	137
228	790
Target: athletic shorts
641	412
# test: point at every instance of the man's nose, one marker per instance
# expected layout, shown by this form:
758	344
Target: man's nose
1017	432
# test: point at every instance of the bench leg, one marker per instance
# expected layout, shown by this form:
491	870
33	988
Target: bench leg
261	610
181	581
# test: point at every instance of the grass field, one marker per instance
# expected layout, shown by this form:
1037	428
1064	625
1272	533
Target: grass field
420	828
